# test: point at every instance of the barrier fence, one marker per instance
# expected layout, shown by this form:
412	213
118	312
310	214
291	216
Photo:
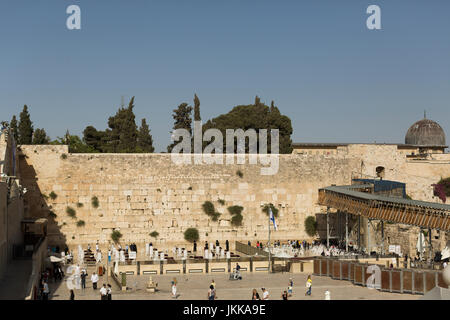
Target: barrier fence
398	280
38	259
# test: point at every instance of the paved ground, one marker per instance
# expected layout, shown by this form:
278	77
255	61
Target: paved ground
195	287
14	283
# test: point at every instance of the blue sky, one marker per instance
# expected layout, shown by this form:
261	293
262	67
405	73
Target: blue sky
335	79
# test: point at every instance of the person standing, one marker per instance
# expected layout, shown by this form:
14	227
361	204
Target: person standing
213	284
211	293
94	279
45	291
255	295
265	294
227	246
174	290
308	286
83	279
72	294
104	293
109	292
284	296
195	246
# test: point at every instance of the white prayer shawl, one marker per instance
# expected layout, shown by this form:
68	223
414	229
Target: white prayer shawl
162	256
147	249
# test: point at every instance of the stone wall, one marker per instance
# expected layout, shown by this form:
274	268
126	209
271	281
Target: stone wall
141	193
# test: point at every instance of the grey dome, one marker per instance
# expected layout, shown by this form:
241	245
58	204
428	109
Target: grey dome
425	133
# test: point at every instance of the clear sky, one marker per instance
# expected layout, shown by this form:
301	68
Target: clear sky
335	79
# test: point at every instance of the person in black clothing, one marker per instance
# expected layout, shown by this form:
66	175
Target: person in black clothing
255	295
284	295
109	292
217	243
227	246
195	246
72	295
83	279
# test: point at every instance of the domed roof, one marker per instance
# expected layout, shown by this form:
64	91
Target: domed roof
425	133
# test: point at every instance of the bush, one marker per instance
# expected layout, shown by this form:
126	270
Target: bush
233	210
80	223
239	173
191	235
236	220
94	202
208	208
53	195
274	210
221	201
311	226
71	212
154	234
64	156
116	235
79	205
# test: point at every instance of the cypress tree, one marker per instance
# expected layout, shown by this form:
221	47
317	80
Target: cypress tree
182	117
196	108
145	140
40	137
123	134
25	129
13	126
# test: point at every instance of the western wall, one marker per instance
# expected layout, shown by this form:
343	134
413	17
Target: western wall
142	193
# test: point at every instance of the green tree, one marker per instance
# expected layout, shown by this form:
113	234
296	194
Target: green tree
145	140
182	117
76	145
196	108
122	138
191	235
255	116
40	137
311	226
25	129
13	126
94	138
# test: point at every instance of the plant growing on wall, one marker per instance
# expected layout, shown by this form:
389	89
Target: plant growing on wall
44	196
53	195
154	234
64	156
71	212
239	173
221	201
79	205
80	223
209	209
442	189
116	235
274	210
94	202
311	226
191	235
236	212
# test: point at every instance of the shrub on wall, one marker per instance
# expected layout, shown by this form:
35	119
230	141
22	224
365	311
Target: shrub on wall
274	210
221	201
51	214
79	205
94	202
209	209
64	156
53	195
239	173
116	235
237	218
80	223
191	234
311	226
71	212
154	234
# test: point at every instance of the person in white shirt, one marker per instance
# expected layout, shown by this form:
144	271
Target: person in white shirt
174	290
104	293
265	294
94	279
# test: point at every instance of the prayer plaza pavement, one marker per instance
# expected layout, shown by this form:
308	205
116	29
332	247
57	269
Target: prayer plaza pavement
195	287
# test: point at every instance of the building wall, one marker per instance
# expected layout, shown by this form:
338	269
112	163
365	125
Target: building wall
3	228
141	193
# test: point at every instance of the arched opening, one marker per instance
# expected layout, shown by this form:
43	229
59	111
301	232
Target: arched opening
380	172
